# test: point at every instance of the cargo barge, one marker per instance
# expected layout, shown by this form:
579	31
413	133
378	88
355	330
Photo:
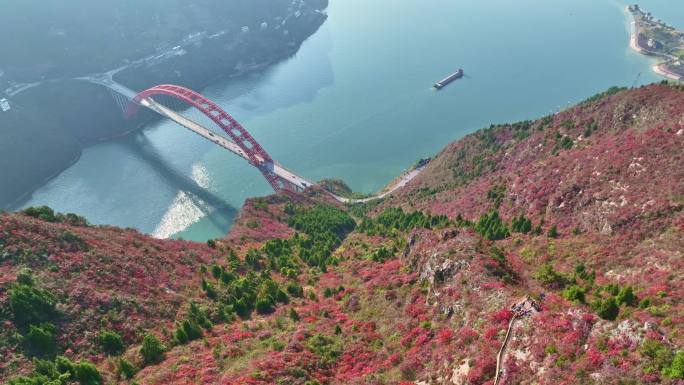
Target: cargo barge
443	83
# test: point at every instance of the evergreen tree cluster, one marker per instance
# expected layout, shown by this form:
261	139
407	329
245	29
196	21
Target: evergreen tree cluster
382	254
520	224
61	371
236	292
111	342
551	278
191	327
152	349
328	349
33	311
281	257
395	219
609	298
577	286
47	214
320	219
30	304
323	228
496	195
492	227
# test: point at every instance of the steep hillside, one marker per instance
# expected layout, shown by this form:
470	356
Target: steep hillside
559	239
598	167
98	278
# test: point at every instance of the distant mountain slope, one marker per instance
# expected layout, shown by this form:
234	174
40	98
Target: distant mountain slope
57	35
580	214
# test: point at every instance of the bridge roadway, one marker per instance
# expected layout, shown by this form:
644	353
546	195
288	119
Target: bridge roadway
107	81
223	142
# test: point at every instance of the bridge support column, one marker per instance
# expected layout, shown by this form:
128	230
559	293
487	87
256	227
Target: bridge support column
121	101
277	183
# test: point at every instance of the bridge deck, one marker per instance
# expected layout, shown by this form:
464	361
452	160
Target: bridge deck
220	140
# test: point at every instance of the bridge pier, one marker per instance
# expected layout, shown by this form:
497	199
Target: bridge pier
278	183
121	101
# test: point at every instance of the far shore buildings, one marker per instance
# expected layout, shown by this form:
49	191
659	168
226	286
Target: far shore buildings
4	105
652	43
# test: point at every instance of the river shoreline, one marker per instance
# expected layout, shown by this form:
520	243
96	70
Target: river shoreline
664	70
22	199
26	196
394	185
634	36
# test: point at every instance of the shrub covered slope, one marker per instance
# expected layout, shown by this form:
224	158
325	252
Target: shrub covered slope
581	212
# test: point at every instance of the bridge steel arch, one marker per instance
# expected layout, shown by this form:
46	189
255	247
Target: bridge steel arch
256	155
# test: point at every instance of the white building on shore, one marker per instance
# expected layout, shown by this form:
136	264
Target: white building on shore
4	105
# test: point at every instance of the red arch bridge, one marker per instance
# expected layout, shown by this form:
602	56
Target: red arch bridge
170	100
167	99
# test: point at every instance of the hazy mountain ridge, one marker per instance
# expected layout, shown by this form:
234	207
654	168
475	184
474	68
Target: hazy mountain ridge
57	35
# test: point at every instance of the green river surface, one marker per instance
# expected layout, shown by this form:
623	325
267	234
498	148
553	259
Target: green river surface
356	103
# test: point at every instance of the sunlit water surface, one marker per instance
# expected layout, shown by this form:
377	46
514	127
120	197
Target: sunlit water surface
356	103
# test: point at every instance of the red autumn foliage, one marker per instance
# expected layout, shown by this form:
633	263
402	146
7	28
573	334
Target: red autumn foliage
439	307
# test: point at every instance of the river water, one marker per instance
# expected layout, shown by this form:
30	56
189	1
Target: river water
356	103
